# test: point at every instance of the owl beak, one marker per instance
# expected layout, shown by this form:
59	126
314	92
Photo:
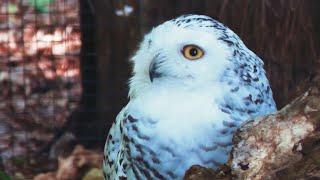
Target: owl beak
154	70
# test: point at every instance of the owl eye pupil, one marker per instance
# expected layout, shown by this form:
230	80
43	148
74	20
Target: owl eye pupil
193	52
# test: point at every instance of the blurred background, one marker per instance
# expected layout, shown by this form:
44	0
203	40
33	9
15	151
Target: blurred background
64	70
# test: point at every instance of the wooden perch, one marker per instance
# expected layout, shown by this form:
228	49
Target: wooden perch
282	145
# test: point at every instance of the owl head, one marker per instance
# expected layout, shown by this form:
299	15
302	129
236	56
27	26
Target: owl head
189	51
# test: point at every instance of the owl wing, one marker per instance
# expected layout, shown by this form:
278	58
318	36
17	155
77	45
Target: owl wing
113	148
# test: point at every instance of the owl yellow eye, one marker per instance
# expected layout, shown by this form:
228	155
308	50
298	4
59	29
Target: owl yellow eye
192	52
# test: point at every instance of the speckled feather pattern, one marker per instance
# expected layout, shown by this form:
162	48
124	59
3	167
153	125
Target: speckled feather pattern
189	114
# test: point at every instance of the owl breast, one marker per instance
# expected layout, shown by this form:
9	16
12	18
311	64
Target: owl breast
185	129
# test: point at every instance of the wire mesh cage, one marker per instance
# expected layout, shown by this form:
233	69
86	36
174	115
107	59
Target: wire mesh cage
39	74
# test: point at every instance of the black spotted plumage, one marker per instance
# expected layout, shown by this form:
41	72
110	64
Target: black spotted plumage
184	112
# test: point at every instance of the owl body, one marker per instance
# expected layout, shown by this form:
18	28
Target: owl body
194	83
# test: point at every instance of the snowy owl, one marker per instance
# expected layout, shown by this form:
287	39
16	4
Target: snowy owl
194	83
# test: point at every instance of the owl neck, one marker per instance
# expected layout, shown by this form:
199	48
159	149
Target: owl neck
139	86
